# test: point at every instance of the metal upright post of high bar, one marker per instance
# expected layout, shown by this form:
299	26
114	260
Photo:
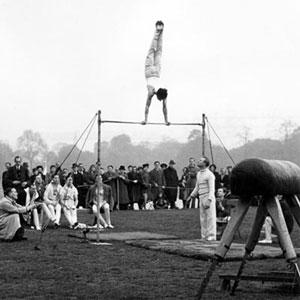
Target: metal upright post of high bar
203	134
98	172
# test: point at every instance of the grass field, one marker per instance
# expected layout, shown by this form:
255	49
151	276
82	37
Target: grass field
69	269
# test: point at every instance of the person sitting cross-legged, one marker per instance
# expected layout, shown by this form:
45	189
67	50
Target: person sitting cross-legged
100	192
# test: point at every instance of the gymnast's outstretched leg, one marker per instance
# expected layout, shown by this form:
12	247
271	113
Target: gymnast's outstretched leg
152	72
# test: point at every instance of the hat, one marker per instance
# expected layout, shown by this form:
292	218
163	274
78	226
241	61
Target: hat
172	162
122	168
145	165
164	165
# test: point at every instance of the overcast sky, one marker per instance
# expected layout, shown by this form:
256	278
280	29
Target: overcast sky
61	61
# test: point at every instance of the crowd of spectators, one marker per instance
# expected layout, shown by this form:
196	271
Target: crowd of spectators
131	186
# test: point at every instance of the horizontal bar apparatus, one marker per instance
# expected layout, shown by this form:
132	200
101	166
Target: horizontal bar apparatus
151	123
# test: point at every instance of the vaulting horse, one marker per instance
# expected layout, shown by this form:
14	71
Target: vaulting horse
264	179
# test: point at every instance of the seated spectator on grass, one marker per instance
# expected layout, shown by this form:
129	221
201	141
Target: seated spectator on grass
52	198
10	226
32	196
69	201
223	210
104	196
269	226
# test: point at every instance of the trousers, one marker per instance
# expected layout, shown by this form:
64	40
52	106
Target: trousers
208	219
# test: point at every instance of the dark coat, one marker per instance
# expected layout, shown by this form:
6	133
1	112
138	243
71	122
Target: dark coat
110	178
156	177
5	182
123	191
171	178
13	174
91	195
134	188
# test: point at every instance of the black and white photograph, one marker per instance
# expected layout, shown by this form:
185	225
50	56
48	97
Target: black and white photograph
149	149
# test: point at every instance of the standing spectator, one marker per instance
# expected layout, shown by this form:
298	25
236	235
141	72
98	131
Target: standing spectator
134	189
49	176
91	175
5	183
205	190
123	192
146	186
140	186
63	176
34	174
171	178
110	178
69	201
52	198
129	169
17	177
213	169
182	183
163	166
157	181
78	181
191	177
40	170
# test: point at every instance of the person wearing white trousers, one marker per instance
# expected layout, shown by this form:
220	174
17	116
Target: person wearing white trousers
69	202
52	198
205	190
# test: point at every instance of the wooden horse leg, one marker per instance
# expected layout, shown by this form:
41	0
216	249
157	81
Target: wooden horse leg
252	240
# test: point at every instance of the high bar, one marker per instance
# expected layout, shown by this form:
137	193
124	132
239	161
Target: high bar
151	123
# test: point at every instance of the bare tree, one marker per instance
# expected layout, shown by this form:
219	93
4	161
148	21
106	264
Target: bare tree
244	135
32	147
286	128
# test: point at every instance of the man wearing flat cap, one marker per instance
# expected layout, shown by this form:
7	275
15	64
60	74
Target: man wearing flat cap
171	178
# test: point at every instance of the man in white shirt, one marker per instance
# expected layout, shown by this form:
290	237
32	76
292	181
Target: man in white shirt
205	190
152	72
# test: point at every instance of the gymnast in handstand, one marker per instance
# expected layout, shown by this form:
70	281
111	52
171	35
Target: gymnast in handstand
152	72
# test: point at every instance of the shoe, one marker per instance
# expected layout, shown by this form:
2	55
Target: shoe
143	122
75	226
168	123
95	226
110	226
56	225
265	241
